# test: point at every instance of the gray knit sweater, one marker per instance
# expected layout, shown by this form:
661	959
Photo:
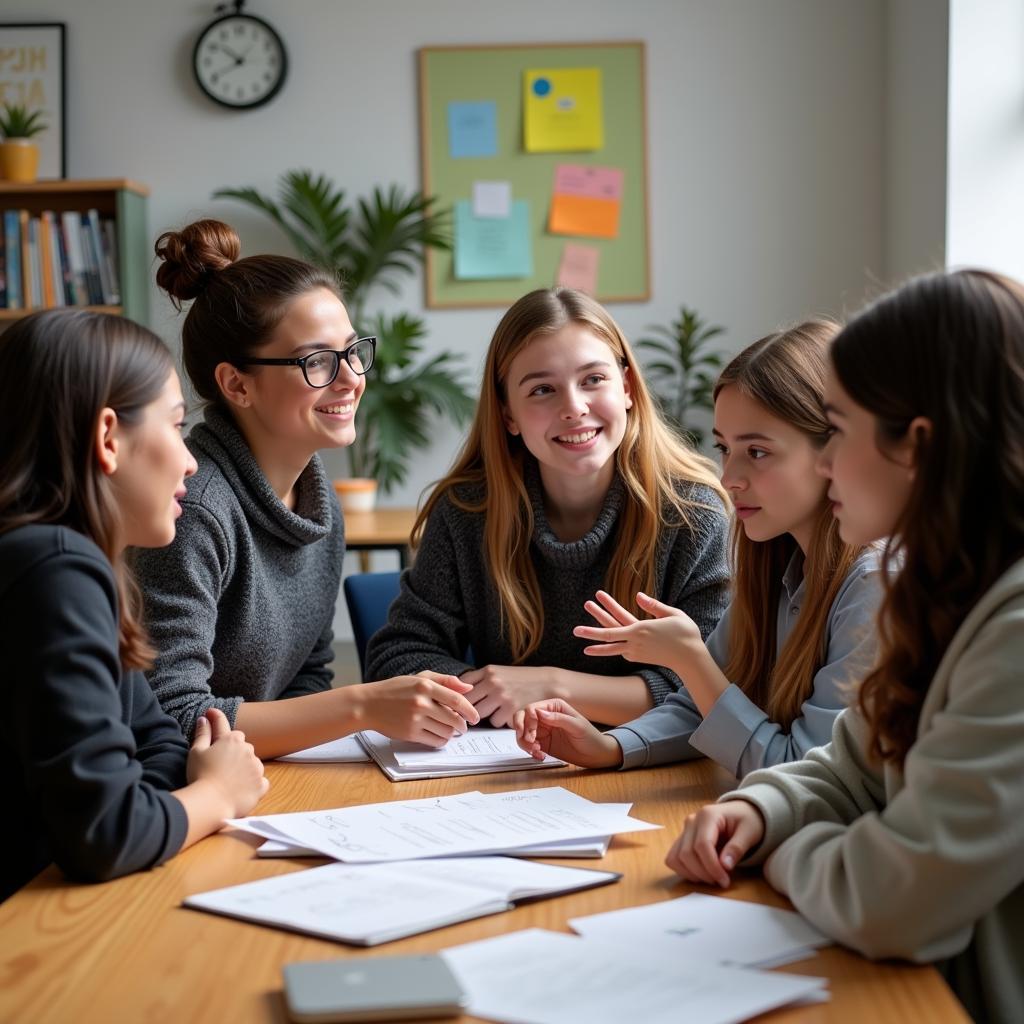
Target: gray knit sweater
448	602
240	605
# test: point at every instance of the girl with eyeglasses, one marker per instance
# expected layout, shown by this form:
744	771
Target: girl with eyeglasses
903	836
96	777
569	481
240	606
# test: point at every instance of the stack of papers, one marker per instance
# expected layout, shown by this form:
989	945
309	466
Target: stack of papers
447	826
478	752
540	977
373	903
725	931
571	848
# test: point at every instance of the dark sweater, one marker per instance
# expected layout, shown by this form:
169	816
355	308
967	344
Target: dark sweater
87	754
240	606
448	601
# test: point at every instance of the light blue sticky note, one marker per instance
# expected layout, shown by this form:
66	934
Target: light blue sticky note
490	248
472	129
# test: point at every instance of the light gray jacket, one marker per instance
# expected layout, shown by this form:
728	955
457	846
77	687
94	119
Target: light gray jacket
926	863
737	733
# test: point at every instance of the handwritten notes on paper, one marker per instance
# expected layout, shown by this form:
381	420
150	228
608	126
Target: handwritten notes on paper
472	129
562	110
467	823
489	248
586	201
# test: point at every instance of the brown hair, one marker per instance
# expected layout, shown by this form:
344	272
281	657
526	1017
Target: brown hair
949	347
651	461
237	302
58	370
785	373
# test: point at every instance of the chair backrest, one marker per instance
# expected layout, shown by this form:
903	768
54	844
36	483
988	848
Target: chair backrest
368	596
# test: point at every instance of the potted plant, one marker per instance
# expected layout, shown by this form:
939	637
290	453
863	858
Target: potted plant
19	155
374	243
683	370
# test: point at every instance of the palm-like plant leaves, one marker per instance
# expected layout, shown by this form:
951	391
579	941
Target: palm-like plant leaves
683	371
383	239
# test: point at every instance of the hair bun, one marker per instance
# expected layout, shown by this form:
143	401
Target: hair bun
188	257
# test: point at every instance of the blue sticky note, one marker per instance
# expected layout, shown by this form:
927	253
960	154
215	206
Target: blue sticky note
472	129
491	248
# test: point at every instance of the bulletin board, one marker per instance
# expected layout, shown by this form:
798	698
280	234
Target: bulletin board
463	156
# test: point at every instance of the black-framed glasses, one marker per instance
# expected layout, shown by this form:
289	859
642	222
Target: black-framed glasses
321	368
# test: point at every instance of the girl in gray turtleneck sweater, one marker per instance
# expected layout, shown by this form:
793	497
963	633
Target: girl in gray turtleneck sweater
569	483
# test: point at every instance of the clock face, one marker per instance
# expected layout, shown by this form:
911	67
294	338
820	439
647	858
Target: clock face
239	61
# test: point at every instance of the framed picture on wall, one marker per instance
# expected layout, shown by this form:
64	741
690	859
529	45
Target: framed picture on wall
32	75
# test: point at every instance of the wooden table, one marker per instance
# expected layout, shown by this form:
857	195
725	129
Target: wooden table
383	529
127	951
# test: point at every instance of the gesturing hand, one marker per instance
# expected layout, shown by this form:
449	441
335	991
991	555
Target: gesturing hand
714	841
555	727
666	639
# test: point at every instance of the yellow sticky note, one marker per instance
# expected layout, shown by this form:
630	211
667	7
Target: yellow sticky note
562	110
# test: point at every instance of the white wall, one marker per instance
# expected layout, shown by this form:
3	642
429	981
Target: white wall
767	136
985	200
917	35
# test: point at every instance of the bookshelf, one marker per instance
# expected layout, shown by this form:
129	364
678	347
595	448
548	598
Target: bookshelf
119	199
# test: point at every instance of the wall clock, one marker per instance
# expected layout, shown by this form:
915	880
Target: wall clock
239	61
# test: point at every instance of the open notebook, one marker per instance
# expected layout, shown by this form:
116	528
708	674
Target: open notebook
368	904
478	752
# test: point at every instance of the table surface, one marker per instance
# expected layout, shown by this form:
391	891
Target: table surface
383	527
127	950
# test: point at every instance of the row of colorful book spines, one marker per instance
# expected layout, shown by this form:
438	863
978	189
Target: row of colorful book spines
58	259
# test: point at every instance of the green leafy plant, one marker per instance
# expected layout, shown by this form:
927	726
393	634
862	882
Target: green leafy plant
682	371
17	122
375	243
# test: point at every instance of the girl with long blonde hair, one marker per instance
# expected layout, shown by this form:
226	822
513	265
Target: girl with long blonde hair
769	682
569	481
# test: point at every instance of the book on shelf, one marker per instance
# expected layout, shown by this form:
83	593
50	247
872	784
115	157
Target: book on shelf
58	258
12	250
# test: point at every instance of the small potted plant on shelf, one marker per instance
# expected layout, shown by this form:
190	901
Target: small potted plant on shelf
374	243
683	370
19	155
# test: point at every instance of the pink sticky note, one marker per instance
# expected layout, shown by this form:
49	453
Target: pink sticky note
589	182
578	268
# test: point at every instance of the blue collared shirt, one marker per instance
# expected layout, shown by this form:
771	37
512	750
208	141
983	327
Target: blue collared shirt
737	733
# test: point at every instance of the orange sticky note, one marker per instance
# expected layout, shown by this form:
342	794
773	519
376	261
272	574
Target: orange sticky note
582	215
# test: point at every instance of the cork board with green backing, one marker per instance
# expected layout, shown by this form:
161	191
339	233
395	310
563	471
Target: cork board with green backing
495	74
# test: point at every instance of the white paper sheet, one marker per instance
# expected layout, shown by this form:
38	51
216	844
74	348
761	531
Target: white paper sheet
370	903
709	928
492	198
570	848
540	977
466	823
344	750
477	747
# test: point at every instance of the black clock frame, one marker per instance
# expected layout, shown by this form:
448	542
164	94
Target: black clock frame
253	105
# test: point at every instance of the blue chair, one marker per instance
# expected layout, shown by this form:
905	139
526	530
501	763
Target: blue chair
369	596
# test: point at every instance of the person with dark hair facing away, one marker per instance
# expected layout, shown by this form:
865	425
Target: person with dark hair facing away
98	778
904	836
769	682
241	605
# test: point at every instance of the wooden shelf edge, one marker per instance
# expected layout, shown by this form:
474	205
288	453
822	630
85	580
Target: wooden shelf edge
17	314
74	185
